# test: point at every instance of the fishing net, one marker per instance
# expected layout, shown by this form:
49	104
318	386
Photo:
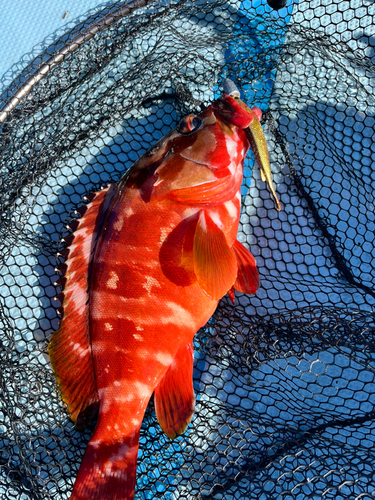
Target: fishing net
285	379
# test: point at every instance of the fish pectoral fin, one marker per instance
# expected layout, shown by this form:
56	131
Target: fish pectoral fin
215	264
247	275
174	397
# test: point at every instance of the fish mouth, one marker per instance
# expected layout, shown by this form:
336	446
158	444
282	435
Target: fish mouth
255	135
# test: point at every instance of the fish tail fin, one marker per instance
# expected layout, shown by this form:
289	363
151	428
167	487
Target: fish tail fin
108	470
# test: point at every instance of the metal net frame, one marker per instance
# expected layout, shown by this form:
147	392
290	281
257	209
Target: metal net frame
285	379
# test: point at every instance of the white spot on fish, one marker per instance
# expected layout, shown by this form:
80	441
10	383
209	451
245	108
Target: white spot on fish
163	358
112	282
141	388
164	231
99	346
118	224
170	313
232	167
128	211
81	350
76	290
108	469
122	349
179	315
231	147
232	209
202	221
139	328
216	218
108	326
123	450
138	337
150	282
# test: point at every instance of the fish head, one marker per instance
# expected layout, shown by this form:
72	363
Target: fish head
228	110
200	162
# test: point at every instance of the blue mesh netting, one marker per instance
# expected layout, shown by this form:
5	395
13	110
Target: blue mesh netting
284	380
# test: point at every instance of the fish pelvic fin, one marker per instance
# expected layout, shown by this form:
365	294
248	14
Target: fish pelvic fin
219	268
108	470
174	396
215	264
69	347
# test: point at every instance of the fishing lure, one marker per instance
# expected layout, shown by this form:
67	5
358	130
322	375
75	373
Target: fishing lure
145	267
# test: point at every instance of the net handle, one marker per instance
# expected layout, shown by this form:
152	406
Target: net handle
60	55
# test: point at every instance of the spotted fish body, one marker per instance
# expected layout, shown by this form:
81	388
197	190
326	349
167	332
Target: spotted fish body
147	263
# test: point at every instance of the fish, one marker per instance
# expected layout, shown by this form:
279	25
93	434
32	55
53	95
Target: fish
146	263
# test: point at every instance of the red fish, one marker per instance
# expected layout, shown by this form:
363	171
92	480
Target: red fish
148	261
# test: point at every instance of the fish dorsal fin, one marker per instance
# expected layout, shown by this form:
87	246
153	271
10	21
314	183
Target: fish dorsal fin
69	347
215	264
174	396
247	275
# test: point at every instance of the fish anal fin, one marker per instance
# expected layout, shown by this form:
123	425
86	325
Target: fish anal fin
215	264
69	347
174	396
247	275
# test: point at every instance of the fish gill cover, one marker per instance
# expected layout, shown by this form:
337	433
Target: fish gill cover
285	379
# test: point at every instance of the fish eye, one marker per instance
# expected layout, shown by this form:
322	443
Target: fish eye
189	124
